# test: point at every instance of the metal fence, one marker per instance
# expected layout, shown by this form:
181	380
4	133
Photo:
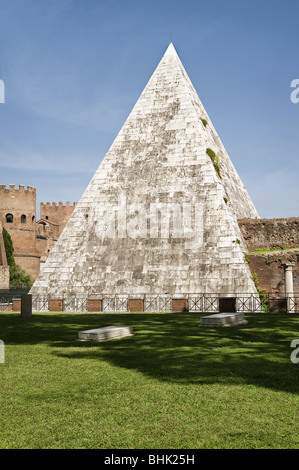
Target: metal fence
197	303
7	296
157	303
6	302
210	303
293	304
115	303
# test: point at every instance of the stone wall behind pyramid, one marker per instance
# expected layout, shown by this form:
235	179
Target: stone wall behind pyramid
158	216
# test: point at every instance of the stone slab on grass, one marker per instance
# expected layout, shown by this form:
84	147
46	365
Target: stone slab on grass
106	333
223	319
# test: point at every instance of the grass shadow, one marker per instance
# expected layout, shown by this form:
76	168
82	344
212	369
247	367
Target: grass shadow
172	347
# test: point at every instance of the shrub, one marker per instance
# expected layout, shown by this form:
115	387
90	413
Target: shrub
215	160
262	294
211	154
216	166
18	277
204	121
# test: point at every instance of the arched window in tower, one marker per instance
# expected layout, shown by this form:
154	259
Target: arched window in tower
33	219
9	218
23	219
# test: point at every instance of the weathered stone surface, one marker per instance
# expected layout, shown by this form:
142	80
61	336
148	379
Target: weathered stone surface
4	277
223	319
106	333
26	305
158	161
270	233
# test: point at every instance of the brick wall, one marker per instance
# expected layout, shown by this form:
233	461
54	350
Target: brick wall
55	305
94	305
19	202
180	305
135	305
16	305
270	270
28	249
57	213
270	233
29	262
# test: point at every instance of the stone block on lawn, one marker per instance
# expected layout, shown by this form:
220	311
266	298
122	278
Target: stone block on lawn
223	319
106	333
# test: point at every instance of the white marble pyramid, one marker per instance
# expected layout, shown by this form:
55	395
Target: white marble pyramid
160	214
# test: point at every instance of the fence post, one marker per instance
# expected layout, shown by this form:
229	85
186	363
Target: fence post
26	305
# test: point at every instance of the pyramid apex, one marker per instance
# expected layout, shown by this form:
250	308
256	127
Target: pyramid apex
170	50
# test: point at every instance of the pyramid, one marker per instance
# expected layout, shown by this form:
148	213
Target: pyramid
160	214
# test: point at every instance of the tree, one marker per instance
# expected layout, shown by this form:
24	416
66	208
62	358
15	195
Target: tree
18	277
8	248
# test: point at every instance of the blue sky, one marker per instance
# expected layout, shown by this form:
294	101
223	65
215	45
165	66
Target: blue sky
73	70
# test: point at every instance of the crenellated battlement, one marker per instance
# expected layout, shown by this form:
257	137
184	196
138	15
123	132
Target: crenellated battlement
32	240
57	213
17	202
54	205
12	188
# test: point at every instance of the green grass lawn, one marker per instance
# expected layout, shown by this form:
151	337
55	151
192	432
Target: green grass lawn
171	385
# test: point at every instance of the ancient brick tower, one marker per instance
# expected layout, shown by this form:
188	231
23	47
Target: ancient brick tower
160	214
18	216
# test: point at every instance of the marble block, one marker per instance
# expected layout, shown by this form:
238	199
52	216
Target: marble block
106	333
223	319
